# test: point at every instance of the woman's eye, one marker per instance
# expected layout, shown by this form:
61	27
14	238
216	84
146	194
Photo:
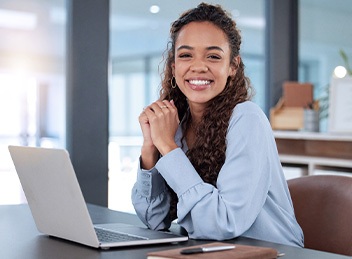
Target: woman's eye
185	55
214	57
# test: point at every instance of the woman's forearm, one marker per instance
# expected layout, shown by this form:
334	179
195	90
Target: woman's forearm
149	157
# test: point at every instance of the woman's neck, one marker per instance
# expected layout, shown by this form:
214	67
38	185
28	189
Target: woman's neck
192	128
196	113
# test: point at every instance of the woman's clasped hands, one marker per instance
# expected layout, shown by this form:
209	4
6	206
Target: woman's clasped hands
159	122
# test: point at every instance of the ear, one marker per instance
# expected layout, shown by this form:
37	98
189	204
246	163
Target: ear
173	68
234	65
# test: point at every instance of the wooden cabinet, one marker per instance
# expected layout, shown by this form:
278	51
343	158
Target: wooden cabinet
311	151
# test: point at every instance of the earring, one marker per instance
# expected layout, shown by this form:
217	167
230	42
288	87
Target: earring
173	82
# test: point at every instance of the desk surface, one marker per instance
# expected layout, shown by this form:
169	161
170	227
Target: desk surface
19	238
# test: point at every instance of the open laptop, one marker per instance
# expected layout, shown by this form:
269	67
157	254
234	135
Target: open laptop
58	206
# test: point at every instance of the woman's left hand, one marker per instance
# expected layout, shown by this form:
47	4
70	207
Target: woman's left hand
163	120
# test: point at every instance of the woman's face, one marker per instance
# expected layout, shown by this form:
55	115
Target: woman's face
202	62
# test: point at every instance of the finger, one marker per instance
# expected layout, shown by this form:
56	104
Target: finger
169	104
143	119
171	107
166	104
161	106
153	111
152	108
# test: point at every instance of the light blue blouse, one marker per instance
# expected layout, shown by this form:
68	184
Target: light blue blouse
251	198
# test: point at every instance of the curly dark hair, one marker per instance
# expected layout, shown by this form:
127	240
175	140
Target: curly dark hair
208	152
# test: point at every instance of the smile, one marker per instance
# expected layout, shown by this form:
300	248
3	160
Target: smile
199	82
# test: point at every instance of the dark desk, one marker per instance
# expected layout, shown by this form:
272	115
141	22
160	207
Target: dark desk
19	238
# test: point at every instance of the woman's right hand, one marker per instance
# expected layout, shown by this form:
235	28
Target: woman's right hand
145	127
149	153
163	121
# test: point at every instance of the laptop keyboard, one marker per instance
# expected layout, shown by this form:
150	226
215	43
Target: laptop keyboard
108	236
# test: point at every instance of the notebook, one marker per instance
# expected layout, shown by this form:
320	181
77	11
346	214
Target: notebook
58	206
238	252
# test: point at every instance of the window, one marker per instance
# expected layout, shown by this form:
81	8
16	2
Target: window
32	82
324	29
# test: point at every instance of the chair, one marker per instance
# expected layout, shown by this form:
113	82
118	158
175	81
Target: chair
323	208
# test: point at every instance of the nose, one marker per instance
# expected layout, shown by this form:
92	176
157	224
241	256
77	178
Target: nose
198	66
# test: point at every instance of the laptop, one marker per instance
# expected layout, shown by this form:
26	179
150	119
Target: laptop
58	206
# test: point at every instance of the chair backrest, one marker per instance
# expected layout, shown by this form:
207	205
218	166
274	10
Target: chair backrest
323	208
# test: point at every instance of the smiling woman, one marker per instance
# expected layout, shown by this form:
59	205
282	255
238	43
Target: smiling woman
210	154
138	39
202	63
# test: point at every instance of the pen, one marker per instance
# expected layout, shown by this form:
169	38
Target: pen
206	249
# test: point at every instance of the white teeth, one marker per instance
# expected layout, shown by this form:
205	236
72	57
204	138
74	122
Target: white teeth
199	82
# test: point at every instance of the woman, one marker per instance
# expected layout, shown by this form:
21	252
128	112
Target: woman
217	171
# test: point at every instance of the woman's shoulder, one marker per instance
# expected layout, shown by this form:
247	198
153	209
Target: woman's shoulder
249	117
248	107
250	114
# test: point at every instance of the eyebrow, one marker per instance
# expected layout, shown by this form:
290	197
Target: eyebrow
207	48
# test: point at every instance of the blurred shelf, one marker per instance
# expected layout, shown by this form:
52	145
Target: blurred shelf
313	151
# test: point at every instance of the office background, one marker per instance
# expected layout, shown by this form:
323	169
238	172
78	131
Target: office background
76	74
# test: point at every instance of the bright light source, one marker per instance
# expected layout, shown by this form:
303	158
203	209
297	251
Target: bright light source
154	9
340	72
17	20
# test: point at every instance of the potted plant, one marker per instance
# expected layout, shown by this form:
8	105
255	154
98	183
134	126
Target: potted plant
324	96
